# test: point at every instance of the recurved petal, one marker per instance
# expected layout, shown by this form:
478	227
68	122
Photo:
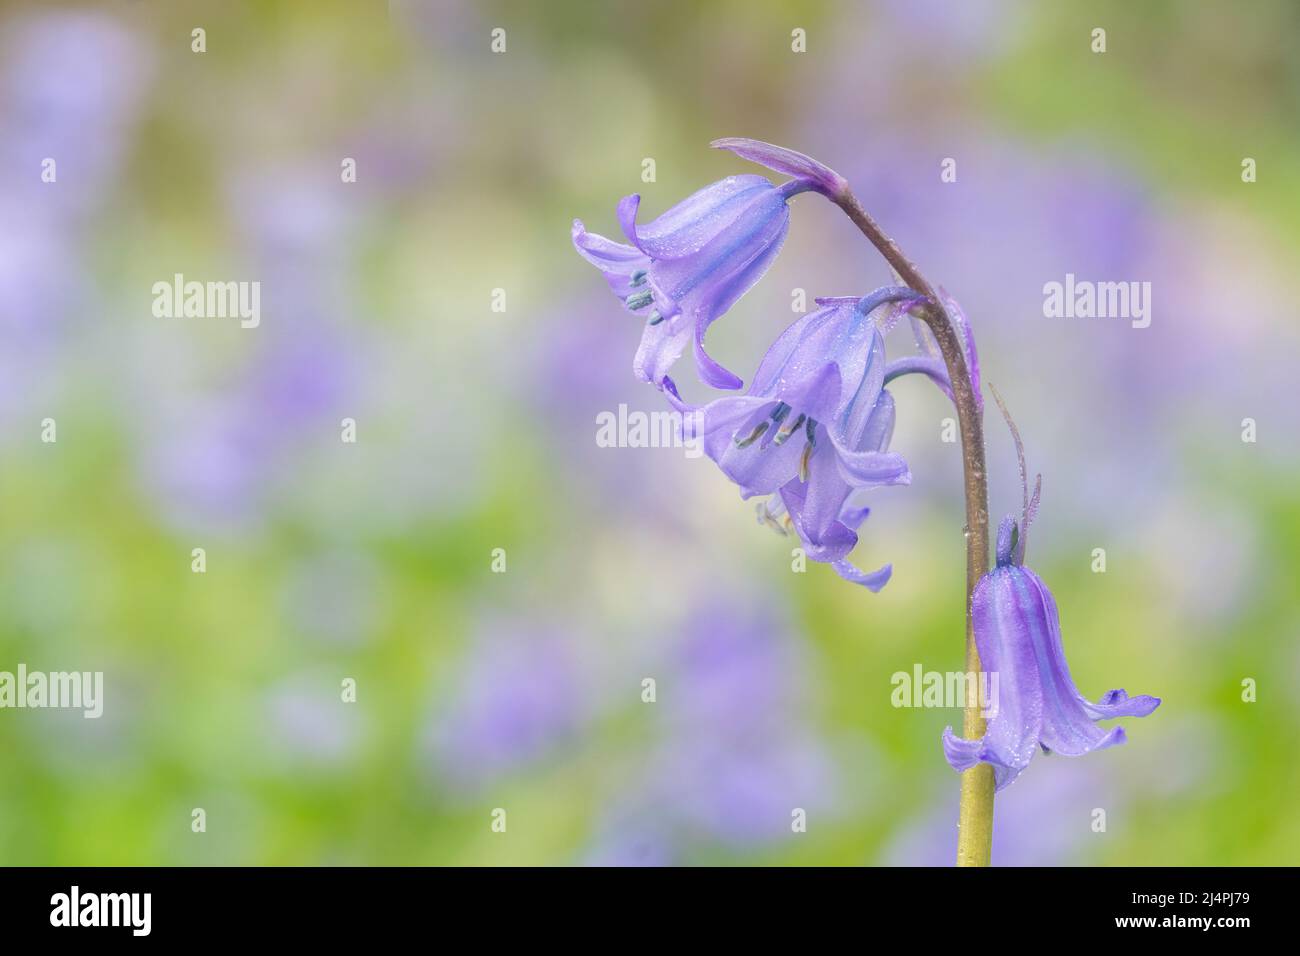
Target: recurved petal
661	346
853	517
871	580
788	161
962	754
932	368
710	372
1067	726
1117	703
616	261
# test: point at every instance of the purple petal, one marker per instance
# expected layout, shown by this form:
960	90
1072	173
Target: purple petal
1009	624
710	372
932	368
626	214
805	348
1068	726
871	580
1117	703
784	358
870	469
697	220
823	540
962	754
760	468
925	340
821	502
604	253
817	395
852	518
717	295
661	346
873	467
1017	631
713	272
783	160
617	262
1002	552
868	373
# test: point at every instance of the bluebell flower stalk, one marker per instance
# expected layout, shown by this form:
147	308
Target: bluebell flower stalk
814	429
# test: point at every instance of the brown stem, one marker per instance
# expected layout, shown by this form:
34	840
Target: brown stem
975	820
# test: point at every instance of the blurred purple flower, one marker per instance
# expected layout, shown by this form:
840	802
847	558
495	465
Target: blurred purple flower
648	481
518	694
1048	820
71	84
218	461
734	757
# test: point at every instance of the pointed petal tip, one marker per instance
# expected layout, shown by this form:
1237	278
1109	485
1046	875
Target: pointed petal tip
627	210
669	388
1113	739
578	232
1117	703
710	372
961	753
873	581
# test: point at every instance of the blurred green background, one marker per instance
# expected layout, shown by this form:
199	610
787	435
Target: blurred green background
476	431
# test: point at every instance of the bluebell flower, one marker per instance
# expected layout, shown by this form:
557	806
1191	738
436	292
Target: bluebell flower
1037	706
814	427
690	265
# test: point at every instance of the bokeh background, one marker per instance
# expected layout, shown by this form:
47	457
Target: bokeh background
477	430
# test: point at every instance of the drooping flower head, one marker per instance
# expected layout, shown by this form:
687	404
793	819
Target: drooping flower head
690	265
814	427
1018	634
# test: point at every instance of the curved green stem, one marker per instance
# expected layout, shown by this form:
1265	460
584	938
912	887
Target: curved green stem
975	820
